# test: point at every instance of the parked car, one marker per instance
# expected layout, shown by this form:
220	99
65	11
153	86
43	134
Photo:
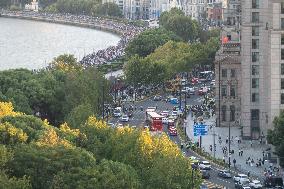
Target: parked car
224	174
204	165
255	184
124	118
212	82
240	177
205	174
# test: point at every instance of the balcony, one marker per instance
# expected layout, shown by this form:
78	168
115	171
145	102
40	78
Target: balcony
231	47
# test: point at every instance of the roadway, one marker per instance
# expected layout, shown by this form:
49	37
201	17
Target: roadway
138	120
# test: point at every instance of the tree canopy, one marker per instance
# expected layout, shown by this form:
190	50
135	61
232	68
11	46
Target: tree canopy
56	92
275	136
183	26
91	156
146	42
107	9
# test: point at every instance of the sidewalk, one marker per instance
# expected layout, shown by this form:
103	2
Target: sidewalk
254	151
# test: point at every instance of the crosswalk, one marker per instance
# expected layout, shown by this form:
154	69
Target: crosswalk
211	185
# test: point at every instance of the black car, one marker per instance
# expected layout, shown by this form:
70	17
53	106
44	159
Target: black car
273	182
130	114
205	174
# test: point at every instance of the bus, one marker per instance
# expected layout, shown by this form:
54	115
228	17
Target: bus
154	120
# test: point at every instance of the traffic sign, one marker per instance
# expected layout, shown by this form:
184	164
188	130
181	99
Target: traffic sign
200	130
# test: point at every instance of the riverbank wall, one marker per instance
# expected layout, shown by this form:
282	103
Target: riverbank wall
102	27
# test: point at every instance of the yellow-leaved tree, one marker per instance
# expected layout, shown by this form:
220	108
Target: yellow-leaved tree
7	109
50	138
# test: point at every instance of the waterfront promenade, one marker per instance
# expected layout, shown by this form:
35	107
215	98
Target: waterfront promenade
126	31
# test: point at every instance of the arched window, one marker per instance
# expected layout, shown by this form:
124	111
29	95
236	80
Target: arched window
232	113
223	113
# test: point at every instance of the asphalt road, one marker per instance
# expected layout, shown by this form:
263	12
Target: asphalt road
138	120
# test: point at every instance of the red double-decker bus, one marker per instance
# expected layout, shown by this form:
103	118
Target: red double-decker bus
154	121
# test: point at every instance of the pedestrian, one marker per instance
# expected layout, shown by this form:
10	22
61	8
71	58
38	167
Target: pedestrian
251	143
263	153
234	162
242	152
239	152
248	174
224	159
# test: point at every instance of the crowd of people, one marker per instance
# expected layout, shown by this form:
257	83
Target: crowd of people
126	30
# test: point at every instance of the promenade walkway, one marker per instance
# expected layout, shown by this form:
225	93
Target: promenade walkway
251	149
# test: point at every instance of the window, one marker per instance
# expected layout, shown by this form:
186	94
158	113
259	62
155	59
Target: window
233	91
255	114
255	17
282	39
282	69
282	54
282	98
282	8
232	113
224	72
255	56
233	73
224	90
255	97
223	113
254	70
255	4
282	23
282	83
255	31
255	44
255	83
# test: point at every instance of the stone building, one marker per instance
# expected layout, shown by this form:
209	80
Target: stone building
228	79
262	42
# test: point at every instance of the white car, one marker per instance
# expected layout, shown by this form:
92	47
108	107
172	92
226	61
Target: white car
165	113
240	177
174	114
124	118
255	184
165	120
212	82
204	165
191	91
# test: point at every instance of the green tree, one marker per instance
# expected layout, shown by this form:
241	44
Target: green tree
183	26
107	9
275	136
134	70
42	163
146	42
6	181
79	115
5	3
85	87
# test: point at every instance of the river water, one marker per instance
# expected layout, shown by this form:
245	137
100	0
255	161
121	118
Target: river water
32	45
